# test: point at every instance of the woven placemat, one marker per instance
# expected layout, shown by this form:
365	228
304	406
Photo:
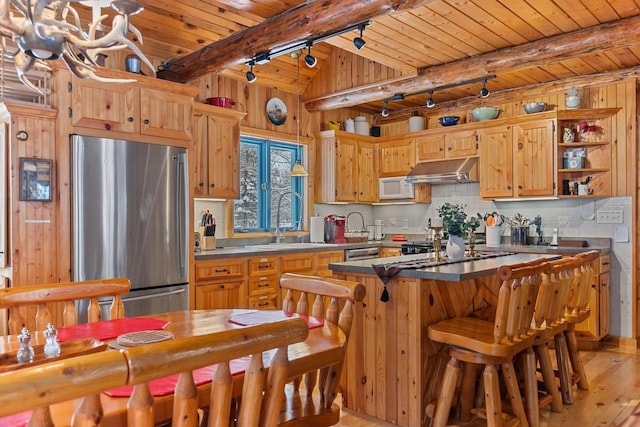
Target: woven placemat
133	339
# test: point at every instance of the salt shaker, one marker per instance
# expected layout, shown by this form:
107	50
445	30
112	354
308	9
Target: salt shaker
51	345
25	353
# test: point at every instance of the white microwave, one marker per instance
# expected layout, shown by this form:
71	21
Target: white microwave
395	187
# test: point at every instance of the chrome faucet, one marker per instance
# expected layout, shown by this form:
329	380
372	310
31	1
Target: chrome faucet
279	235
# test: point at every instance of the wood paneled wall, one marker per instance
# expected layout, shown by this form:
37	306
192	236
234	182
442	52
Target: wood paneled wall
33	225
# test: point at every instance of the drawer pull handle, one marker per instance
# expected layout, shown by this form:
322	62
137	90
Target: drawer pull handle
263	266
223	270
263	285
263	304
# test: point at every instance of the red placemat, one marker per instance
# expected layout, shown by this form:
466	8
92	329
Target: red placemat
108	329
16	420
262	316
165	386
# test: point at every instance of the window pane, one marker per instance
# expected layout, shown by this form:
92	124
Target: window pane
280	176
246	210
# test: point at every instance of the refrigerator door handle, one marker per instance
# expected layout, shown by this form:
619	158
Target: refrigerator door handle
145	297
181	184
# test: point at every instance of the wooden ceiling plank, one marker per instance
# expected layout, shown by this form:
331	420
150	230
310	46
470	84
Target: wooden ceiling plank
579	13
465	20
389	58
620	34
309	20
556	17
501	13
601	9
527	13
209	11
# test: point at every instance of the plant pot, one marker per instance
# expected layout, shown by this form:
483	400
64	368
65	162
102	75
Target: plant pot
455	248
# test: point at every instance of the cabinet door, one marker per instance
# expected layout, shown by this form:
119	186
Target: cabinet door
533	151
396	158
367	175
223	135
228	294
165	114
201	173
603	302
105	107
346	169
322	261
461	144
430	147
496	162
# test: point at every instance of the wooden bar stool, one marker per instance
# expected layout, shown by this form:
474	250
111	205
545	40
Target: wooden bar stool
493	344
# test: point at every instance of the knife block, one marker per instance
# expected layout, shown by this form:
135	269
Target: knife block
207	243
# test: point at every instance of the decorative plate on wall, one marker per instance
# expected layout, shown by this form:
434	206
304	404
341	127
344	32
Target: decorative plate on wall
276	111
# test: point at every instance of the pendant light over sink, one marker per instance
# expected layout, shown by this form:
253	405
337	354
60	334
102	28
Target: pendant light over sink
298	169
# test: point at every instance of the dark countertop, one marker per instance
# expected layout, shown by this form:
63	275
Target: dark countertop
600	244
455	272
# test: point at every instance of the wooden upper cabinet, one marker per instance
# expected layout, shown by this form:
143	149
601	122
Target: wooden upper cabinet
517	160
396	158
533	145
104	107
367	172
217	146
165	114
347	168
446	145
131	108
496	162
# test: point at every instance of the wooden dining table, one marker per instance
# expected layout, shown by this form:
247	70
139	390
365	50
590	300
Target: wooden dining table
323	347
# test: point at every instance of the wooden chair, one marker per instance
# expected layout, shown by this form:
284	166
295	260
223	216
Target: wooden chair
38	297
38	387
578	311
492	344
332	300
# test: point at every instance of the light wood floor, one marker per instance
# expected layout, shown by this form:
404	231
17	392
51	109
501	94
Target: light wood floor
614	390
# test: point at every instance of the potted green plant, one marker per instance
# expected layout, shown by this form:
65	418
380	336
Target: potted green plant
454	220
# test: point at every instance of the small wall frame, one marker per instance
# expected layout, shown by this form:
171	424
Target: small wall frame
35	179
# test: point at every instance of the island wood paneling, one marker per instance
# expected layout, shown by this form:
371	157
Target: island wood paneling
392	367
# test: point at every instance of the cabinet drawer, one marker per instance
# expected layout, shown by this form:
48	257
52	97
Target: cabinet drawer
263	284
264	302
323	259
233	268
297	263
605	262
261	266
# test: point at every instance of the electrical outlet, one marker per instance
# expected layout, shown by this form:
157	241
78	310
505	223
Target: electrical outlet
405	224
563	221
609	217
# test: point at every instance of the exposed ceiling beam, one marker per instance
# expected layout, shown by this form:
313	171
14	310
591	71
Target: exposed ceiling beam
618	34
309	20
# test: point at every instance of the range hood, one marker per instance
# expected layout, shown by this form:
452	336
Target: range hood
445	172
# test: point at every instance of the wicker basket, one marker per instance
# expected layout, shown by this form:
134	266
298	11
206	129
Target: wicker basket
356	236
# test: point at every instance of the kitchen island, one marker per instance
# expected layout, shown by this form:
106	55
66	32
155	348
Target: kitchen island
393	370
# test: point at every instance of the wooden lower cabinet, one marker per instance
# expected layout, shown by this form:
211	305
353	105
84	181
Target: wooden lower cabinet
263	282
221	283
596	327
390	251
254	282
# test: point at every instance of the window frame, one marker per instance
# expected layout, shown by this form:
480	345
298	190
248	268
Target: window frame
265	145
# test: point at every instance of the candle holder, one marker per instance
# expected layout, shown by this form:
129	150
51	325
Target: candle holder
437	236
472	243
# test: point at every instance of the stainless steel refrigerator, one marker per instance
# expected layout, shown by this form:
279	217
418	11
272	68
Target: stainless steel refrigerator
130	206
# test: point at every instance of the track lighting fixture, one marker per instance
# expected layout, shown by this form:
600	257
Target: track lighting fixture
385	110
484	92
430	102
359	42
310	60
261	58
251	77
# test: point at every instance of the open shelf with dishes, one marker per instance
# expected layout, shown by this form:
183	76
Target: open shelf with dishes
584	152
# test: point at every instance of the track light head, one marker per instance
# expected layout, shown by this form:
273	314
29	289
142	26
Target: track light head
484	92
430	102
310	60
385	110
251	77
359	42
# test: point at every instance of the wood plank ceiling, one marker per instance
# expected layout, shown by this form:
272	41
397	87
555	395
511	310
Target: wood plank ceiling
410	43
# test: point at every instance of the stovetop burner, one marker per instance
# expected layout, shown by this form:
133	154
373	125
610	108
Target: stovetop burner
416	247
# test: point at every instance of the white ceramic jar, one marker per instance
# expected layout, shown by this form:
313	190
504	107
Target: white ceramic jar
361	125
349	126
